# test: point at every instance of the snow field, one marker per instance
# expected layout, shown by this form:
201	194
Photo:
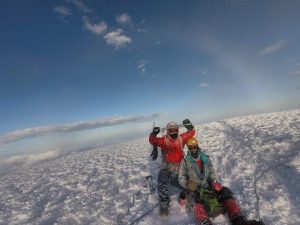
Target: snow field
255	156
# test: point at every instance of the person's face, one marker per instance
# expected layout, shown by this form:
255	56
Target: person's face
173	131
193	149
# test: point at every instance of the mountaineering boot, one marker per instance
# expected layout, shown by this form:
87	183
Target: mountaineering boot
241	220
164	209
205	222
254	222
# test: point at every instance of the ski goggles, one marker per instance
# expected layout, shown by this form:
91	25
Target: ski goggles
192	147
173	130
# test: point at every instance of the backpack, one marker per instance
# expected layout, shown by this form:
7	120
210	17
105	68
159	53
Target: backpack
208	198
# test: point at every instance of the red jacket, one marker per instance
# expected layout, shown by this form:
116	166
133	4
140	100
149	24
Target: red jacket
171	148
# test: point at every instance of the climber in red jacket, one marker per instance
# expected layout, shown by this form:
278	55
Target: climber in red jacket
172	153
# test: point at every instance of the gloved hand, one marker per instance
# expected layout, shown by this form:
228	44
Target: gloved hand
156	130
182	199
216	186
197	197
154	152
187	124
183	194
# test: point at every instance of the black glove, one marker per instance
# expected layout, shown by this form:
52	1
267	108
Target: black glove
187	124
156	130
154	152
197	197
184	193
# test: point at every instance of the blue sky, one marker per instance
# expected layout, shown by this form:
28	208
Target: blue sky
65	61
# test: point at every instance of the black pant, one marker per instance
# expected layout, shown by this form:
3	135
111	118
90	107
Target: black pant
166	177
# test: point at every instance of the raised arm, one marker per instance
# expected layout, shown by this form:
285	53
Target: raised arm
159	141
187	135
190	130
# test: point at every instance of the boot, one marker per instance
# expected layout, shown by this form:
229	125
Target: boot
241	220
205	222
254	222
164	209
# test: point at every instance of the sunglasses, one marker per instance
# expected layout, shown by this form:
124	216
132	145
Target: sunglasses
193	147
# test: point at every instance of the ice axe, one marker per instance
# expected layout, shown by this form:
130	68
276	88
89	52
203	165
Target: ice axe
154	152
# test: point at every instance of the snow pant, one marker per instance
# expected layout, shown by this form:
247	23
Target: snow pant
226	197
166	177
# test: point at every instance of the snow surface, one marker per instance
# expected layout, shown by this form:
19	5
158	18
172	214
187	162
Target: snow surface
256	156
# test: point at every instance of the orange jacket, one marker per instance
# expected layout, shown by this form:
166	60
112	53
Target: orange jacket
172	148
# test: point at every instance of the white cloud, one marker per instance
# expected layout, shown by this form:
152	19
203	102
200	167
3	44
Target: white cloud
117	39
80	5
23	160
97	28
142	65
38	131
62	11
204	84
139	27
30	158
273	48
142	30
124	19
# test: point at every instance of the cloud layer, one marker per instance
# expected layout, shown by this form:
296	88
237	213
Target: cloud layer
37	131
30	158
